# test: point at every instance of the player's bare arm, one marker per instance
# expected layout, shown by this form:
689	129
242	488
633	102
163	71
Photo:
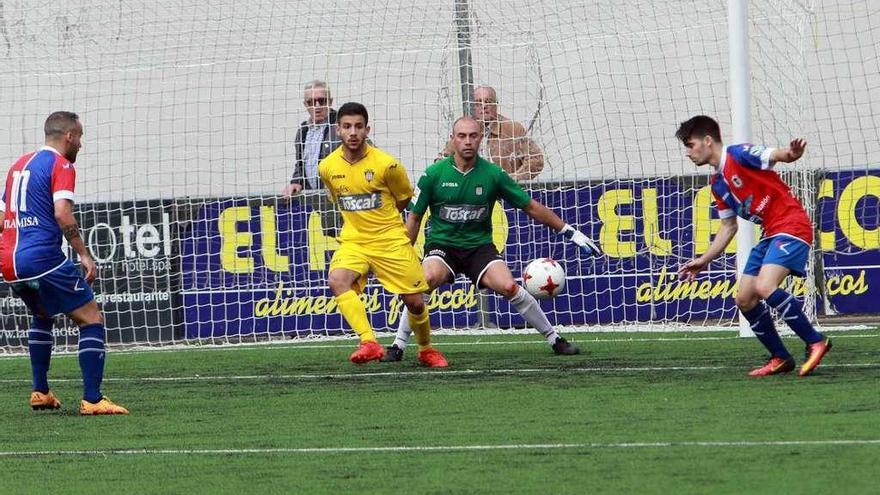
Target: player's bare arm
794	151
726	233
413	222
70	230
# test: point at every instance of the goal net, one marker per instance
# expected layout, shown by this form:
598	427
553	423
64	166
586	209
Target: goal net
191	110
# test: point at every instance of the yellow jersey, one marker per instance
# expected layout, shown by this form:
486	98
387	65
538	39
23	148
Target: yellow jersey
367	192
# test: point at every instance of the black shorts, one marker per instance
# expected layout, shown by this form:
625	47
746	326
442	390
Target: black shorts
471	262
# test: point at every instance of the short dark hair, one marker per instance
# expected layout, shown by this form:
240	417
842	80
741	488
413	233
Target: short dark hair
353	108
699	127
60	123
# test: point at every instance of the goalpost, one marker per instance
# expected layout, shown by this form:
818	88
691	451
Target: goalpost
741	118
190	110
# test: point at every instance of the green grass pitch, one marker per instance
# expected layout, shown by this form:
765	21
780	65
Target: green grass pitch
668	413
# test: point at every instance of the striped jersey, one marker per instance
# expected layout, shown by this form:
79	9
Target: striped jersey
746	185
30	245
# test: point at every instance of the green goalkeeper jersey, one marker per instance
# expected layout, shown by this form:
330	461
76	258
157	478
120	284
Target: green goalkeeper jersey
461	203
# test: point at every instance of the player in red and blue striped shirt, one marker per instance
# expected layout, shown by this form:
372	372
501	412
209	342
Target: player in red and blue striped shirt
37	206
744	184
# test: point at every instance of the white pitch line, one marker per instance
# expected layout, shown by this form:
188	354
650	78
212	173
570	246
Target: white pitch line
444	448
418	373
350	343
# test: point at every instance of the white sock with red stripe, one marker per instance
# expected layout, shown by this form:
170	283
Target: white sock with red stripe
528	307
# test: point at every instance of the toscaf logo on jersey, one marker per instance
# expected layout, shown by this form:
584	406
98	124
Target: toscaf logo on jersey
360	202
463	213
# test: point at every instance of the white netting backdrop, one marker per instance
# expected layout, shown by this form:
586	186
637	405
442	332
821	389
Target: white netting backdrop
190	111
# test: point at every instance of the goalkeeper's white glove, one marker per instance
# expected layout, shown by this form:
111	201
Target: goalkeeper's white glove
582	241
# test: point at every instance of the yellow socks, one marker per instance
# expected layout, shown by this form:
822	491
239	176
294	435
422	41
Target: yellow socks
421	327
354	312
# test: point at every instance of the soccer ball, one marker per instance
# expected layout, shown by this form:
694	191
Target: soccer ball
544	278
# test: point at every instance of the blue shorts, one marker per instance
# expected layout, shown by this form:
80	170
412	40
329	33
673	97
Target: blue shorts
784	250
60	291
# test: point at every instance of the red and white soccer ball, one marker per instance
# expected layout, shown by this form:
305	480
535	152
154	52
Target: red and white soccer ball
544	278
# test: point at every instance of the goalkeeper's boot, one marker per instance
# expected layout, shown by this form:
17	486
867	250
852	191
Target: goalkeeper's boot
103	406
814	355
774	366
563	347
368	351
40	401
392	354
432	358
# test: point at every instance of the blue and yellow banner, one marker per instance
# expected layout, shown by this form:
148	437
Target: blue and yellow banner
253	266
848	218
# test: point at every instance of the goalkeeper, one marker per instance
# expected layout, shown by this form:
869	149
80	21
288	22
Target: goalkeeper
461	191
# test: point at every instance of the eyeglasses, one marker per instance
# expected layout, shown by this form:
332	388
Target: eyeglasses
316	102
487	101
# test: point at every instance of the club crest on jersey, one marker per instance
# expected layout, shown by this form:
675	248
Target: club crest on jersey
368	174
478	190
736	181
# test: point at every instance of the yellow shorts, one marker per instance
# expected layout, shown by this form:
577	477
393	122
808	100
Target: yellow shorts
398	268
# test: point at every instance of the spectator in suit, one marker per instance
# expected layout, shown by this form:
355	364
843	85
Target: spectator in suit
315	139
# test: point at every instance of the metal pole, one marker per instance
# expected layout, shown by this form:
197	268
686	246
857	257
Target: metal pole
465	66
463	28
741	114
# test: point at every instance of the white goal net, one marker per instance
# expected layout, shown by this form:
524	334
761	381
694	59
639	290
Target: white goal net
191	109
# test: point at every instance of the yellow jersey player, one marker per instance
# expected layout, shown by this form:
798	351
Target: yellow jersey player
371	189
